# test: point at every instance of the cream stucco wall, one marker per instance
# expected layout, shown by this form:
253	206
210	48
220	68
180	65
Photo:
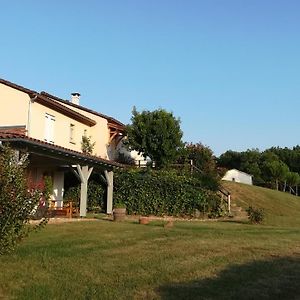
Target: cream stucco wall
18	109
14	106
61	127
99	133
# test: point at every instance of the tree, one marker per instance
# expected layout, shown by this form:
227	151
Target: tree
250	163
276	170
87	146
202	157
293	180
203	164
230	160
17	199
155	134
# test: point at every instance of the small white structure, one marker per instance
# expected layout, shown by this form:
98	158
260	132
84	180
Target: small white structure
138	159
238	176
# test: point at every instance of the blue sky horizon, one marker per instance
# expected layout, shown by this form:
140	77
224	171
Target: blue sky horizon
228	69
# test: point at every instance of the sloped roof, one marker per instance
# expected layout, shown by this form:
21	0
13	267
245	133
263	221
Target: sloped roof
109	119
53	102
56	151
239	172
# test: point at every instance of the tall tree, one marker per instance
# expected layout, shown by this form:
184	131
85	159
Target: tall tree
230	160
277	171
293	180
250	160
204	163
202	157
155	134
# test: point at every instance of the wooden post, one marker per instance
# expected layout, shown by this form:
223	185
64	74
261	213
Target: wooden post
109	176
84	173
229	202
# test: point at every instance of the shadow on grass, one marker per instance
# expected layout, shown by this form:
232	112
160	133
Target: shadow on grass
244	222
277	278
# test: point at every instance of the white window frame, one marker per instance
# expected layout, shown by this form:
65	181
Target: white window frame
72	133
49	128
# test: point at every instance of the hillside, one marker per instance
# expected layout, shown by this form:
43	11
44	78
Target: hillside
281	208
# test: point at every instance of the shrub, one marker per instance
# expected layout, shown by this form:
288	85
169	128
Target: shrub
17	200
95	196
161	193
87	146
255	215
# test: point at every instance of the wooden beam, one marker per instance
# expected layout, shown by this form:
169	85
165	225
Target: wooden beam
113	136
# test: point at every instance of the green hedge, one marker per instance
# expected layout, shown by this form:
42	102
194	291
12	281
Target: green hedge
163	193
149	192
95	196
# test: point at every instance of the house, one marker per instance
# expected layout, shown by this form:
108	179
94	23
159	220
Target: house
238	176
50	129
132	157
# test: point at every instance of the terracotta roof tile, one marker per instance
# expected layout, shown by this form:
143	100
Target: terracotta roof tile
14	137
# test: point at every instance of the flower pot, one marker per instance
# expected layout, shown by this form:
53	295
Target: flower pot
119	214
144	220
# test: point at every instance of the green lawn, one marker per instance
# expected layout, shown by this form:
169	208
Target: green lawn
281	208
192	260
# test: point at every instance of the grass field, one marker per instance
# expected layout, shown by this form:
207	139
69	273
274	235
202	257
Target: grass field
192	260
280	208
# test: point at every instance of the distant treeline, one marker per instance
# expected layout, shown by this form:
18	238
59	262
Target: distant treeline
276	167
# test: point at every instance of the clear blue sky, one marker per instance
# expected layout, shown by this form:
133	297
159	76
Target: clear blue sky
229	69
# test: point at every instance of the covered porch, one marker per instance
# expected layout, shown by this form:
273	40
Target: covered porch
46	159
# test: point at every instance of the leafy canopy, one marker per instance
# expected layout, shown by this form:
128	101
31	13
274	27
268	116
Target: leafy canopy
202	164
155	134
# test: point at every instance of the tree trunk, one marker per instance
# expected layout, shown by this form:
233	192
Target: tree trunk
284	187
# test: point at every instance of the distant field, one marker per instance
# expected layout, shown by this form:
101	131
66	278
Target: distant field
192	260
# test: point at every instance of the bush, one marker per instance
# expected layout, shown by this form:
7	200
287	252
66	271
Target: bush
95	196
161	193
17	200
255	215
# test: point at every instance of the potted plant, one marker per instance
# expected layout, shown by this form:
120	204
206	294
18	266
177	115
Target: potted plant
119	211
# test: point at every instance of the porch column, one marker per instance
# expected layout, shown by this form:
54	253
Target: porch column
84	173
58	188
109	176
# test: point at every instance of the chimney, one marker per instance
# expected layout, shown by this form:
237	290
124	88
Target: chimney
75	98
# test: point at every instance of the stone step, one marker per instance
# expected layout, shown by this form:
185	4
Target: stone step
241	215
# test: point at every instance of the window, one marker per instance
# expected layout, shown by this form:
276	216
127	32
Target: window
72	133
49	128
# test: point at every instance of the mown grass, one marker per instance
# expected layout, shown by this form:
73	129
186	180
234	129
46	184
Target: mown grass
280	208
192	260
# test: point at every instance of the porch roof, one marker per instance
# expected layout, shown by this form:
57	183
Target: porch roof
65	155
